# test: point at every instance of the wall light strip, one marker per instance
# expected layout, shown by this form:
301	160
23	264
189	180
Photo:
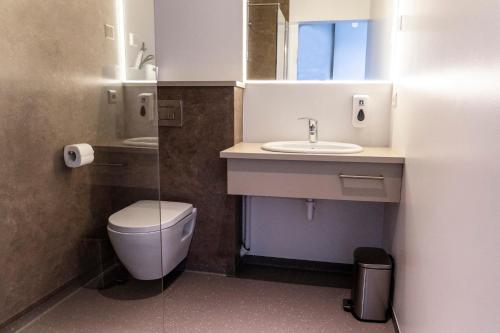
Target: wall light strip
120	27
324	82
396	29
245	41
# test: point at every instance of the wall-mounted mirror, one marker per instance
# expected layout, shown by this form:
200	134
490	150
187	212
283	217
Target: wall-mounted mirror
139	39
320	39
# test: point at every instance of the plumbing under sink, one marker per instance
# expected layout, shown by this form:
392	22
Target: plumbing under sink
321	147
149	142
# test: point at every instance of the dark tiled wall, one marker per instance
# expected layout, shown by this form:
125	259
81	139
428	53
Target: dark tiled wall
191	170
284	5
52	93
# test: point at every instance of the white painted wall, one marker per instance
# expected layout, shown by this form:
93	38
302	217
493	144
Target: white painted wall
271	110
446	234
380	42
280	229
329	10
200	40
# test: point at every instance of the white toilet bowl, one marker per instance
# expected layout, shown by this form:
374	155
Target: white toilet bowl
150	250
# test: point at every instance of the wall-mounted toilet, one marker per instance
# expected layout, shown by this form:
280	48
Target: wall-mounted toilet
150	250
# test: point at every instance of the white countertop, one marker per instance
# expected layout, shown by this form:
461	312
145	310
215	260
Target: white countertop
369	155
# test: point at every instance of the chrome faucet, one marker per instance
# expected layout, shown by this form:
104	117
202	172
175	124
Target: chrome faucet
313	129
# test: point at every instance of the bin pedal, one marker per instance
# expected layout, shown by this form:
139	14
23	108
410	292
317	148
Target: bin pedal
347	305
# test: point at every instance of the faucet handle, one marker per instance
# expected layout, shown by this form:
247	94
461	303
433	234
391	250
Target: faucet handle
313	123
307	118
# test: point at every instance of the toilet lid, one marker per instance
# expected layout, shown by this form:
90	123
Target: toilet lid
144	216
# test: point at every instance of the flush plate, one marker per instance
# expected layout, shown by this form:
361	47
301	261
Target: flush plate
170	113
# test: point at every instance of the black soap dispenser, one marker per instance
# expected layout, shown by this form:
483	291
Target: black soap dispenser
360	111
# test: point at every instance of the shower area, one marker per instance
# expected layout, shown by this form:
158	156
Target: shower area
78	72
267	40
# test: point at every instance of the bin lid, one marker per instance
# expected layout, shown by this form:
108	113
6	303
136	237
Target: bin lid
372	257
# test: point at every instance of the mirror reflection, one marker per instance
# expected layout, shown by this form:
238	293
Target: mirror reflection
320	39
139	39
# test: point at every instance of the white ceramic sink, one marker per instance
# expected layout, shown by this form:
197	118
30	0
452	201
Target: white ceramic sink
149	142
321	147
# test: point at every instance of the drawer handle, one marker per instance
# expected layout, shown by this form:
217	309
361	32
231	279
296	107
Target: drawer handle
361	177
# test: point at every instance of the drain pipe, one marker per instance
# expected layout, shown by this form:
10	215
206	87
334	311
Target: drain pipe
245	228
311	207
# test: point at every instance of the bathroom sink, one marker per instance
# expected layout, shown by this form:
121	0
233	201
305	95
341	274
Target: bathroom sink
150	142
322	147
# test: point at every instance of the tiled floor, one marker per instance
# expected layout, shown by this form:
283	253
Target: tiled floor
204	303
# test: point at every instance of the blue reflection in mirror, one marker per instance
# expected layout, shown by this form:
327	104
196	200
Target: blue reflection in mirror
332	50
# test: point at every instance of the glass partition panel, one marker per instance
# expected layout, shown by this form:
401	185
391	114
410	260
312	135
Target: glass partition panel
139	40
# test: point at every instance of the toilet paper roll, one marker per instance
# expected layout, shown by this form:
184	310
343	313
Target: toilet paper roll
78	155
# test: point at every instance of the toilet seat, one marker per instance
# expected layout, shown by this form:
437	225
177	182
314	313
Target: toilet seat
144	216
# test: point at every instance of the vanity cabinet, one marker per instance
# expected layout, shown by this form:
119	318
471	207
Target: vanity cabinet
374	175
